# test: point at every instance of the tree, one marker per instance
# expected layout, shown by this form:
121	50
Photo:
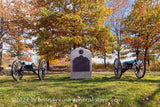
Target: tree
65	25
106	44
120	10
16	36
4	24
142	27
18	43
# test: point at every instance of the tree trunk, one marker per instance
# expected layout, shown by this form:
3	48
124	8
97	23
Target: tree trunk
1	48
1	40
145	54
48	67
137	53
74	46
146	50
148	62
105	65
118	44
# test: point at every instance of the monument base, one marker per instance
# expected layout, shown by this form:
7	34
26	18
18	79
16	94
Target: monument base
76	75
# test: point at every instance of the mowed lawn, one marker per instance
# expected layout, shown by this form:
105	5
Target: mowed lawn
58	90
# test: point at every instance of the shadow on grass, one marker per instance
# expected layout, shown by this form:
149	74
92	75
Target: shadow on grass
89	92
145	101
97	79
6	81
58	78
11	80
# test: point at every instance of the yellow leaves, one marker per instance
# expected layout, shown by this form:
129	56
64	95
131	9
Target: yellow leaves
54	61
100	24
79	24
45	12
77	40
106	42
155	63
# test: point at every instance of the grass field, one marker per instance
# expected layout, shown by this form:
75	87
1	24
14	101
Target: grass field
102	90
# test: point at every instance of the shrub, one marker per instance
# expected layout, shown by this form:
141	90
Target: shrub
101	66
5	72
155	68
98	66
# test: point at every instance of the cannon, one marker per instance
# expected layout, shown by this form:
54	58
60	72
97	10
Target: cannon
18	68
139	67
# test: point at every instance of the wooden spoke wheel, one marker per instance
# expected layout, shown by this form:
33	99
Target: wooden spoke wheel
117	68
35	72
140	68
34	69
42	69
16	70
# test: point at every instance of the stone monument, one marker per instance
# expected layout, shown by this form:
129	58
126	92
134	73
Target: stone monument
81	63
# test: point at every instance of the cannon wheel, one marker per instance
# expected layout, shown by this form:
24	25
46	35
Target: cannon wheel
42	69
140	68
117	68
16	71
35	72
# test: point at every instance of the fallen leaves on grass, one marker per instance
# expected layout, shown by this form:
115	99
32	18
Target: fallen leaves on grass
105	101
117	102
75	105
146	99
78	96
74	100
114	97
109	104
91	95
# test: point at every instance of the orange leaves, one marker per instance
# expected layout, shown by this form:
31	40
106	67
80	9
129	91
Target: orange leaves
27	58
128	39
106	42
158	23
27	49
142	26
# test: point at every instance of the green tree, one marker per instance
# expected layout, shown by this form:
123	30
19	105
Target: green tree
106	44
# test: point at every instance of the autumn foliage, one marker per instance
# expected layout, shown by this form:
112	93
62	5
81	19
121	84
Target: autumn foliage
27	58
58	27
142	29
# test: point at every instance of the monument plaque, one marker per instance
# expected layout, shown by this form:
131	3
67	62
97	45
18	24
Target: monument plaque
81	65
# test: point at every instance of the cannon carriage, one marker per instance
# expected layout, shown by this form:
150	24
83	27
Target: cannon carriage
139	67
18	68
